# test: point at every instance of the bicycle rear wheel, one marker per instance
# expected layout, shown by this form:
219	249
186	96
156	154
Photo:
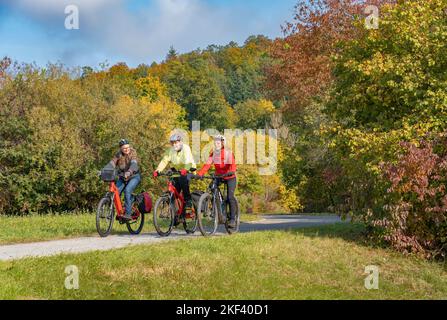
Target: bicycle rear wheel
164	216
207	215
237	217
105	216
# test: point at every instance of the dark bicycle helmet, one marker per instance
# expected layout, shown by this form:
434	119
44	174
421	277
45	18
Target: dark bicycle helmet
123	142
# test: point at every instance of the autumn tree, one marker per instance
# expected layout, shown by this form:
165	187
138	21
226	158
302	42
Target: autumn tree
150	88
396	75
57	132
253	114
303	65
194	83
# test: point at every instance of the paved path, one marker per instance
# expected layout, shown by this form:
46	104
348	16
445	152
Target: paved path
85	244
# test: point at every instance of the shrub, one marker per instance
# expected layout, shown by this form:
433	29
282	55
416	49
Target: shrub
415	218
290	200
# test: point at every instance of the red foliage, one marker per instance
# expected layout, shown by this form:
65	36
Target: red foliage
304	55
416	216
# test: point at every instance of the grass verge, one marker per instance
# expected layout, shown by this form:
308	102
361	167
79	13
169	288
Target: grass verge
317	263
60	226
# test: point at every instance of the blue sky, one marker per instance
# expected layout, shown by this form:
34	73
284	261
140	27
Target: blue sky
133	31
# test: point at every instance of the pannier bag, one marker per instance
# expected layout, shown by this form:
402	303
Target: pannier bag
196	197
144	202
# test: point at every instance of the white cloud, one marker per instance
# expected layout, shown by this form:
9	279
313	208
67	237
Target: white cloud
109	28
185	24
56	6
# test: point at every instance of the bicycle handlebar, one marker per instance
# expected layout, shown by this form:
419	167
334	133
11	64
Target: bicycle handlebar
215	176
174	173
169	174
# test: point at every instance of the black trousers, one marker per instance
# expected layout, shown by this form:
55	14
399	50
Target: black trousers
182	184
231	185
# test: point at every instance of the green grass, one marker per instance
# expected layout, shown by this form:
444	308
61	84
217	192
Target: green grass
45	227
318	263
313	214
50	227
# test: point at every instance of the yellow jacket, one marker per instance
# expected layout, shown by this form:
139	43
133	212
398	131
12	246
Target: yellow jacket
180	160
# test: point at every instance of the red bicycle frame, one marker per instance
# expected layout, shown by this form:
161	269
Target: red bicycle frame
120	212
178	198
116	198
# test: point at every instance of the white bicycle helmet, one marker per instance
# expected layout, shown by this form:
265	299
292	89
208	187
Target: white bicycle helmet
175	137
220	137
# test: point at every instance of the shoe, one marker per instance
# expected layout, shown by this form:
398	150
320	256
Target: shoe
232	224
127	217
190	214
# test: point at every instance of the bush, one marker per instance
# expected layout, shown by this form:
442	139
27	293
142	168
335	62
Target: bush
245	204
290	200
415	218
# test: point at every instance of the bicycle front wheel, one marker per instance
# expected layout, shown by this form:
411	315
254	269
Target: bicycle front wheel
136	226
163	216
105	216
207	215
191	220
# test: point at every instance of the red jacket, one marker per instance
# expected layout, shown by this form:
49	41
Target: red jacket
224	163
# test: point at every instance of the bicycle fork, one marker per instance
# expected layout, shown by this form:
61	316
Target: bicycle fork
220	207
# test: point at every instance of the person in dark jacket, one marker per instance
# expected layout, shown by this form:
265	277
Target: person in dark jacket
126	161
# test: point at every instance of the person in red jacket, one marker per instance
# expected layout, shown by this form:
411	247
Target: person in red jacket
224	163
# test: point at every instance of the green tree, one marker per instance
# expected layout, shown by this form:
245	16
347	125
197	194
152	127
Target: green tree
172	54
194	84
252	114
397	73
244	69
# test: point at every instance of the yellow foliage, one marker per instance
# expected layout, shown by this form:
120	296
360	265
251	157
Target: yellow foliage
151	88
290	200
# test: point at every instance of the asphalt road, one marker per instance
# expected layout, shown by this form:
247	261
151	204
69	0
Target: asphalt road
86	244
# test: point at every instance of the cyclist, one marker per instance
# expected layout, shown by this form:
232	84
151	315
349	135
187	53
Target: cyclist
126	161
224	164
179	156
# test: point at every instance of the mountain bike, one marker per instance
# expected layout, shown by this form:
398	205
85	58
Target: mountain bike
111	204
214	208
169	210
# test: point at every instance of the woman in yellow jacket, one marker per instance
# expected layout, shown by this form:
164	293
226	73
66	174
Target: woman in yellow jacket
180	157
